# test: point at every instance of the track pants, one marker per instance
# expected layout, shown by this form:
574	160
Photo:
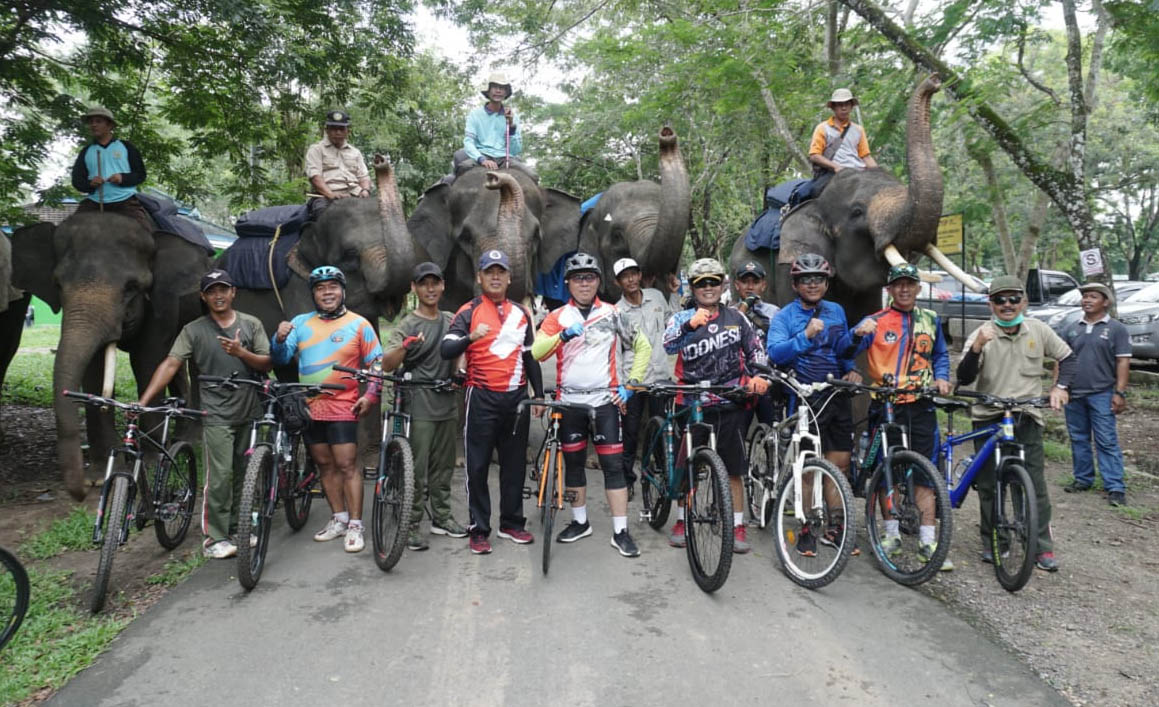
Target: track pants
491	423
433	445
225	461
1029	433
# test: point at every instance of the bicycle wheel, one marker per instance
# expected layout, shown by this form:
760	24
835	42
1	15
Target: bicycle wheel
393	498
814	564
114	527
758	467
14	594
1014	540
299	482
654	474
901	556
550	471
708	520
252	519
175	495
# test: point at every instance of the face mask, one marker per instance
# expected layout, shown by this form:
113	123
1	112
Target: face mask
1010	324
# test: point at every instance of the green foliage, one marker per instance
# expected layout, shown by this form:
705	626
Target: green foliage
29	377
177	569
73	532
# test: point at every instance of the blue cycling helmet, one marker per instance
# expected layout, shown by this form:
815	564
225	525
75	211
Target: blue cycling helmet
327	272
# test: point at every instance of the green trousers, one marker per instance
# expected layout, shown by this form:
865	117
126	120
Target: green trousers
1029	433
433	445
225	447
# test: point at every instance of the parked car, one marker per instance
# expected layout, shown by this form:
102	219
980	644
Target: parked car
1042	287
1062	317
1140	314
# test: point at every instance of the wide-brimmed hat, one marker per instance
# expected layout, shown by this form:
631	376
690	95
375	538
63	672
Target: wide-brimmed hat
98	112
1097	287
1005	283
841	95
337	119
499	79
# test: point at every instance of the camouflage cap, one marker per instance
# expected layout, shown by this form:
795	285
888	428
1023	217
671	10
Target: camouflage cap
705	267
904	270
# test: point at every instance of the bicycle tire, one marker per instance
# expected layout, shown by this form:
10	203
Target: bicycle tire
1016	522
654	474
393	499
252	519
903	565
819	570
114	526
20	592
550	469
298	495
708	520
175	495
757	467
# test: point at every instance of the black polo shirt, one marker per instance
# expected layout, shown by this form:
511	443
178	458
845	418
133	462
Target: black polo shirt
1098	347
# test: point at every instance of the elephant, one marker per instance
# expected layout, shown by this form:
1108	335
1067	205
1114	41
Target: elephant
119	286
642	220
13	305
503	209
866	220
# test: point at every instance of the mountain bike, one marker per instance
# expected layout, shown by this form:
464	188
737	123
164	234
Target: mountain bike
279	469
14	596
1014	539
673	469
788	490
169	503
892	476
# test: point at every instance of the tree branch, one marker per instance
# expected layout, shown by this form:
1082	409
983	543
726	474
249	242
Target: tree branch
539	46
780	125
1026	74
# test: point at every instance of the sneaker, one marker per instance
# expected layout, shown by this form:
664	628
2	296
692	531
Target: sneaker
624	543
806	543
676	537
519	536
448	527
988	556
415	541
1117	499
574	531
740	541
480	545
354	541
891	545
1046	562
833	536
333	529
221	550
927	550
1076	487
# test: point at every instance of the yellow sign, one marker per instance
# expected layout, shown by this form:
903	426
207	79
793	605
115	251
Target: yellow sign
951	234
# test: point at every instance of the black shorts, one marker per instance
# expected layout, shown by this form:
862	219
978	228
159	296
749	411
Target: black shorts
921	423
330	432
574	429
835	422
728	421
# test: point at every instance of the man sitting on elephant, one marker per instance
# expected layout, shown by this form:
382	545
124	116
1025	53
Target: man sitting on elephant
335	168
837	143
108	170
493	136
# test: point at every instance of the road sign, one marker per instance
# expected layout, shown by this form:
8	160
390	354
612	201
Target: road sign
951	233
1092	262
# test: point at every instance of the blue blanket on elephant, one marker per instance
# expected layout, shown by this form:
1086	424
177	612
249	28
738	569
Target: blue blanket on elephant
248	259
765	231
164	213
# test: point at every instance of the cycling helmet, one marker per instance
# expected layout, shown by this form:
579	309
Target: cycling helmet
705	267
327	272
581	262
811	264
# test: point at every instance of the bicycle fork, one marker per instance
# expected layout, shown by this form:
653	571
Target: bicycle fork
102	504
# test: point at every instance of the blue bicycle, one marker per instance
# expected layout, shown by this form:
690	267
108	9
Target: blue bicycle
1014	539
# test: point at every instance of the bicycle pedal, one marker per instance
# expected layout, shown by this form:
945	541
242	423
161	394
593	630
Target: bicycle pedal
528	493
646	516
369	472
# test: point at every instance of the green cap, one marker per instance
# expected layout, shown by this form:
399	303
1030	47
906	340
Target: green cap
897	272
1006	283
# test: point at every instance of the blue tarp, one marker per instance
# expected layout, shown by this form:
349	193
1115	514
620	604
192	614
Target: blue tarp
765	231
248	259
164	213
590	204
551	284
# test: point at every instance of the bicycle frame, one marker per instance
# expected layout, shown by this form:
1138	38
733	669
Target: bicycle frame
130	449
1000	443
551	446
694	414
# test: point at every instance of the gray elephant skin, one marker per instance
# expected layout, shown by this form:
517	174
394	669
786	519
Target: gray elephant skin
502	209
13	305
116	284
642	220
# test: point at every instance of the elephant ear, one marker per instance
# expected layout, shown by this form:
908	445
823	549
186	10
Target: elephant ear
311	250
177	269
804	231
430	225
559	229
34	260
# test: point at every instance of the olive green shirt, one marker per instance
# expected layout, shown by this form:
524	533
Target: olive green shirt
1010	365
198	342
423	362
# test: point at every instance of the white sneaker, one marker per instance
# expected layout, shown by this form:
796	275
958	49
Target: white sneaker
221	550
354	541
333	529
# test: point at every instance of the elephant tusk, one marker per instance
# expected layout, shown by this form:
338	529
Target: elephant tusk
956	272
893	256
927	276
110	370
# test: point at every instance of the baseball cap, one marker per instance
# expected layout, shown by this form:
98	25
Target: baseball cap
428	268
1097	287
494	257
751	268
215	277
337	118
623	264
1005	283
904	270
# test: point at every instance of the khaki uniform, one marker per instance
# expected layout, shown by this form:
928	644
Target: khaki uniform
341	168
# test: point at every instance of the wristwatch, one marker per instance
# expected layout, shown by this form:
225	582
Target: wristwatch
1121	393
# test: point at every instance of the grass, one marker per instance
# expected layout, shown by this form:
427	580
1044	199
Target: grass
29	378
1056	451
73	532
1135	513
177	569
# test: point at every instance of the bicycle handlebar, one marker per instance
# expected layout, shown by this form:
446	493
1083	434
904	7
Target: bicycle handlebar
556	404
233	382
364	374
133	408
889	391
998	401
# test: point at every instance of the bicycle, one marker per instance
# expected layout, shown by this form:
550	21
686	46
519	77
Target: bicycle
170	502
1014	539
394	485
888	474
14	596
549	473
780	499
695	474
278	470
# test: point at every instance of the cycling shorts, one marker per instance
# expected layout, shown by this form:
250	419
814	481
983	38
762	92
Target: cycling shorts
728	421
835	423
331	432
574	430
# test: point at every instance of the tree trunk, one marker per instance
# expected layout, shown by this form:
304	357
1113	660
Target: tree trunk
997	206
780	125
832	40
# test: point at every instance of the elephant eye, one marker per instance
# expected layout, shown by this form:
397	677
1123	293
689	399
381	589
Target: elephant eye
857	211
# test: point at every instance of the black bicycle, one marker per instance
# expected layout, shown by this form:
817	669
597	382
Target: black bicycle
174	487
14	595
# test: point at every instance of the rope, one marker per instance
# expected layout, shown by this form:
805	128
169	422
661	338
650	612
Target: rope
270	265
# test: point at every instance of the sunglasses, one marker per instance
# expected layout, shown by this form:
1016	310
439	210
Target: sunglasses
707	282
584	277
811	280
1006	299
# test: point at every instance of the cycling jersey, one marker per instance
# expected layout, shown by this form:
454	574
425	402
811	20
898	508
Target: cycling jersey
812	359
908	346
718	351
494	361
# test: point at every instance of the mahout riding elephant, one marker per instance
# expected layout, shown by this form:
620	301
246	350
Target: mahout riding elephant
504	209
13	305
119	286
642	220
866	220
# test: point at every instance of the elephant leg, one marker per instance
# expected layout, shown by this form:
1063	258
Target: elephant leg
11	327
99	424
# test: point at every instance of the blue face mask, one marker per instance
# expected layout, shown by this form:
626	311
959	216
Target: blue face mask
1010	324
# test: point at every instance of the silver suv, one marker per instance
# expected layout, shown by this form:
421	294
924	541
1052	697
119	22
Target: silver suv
1140	314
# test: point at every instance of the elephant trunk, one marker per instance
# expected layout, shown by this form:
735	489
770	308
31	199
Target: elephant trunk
508	236
392	262
662	254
